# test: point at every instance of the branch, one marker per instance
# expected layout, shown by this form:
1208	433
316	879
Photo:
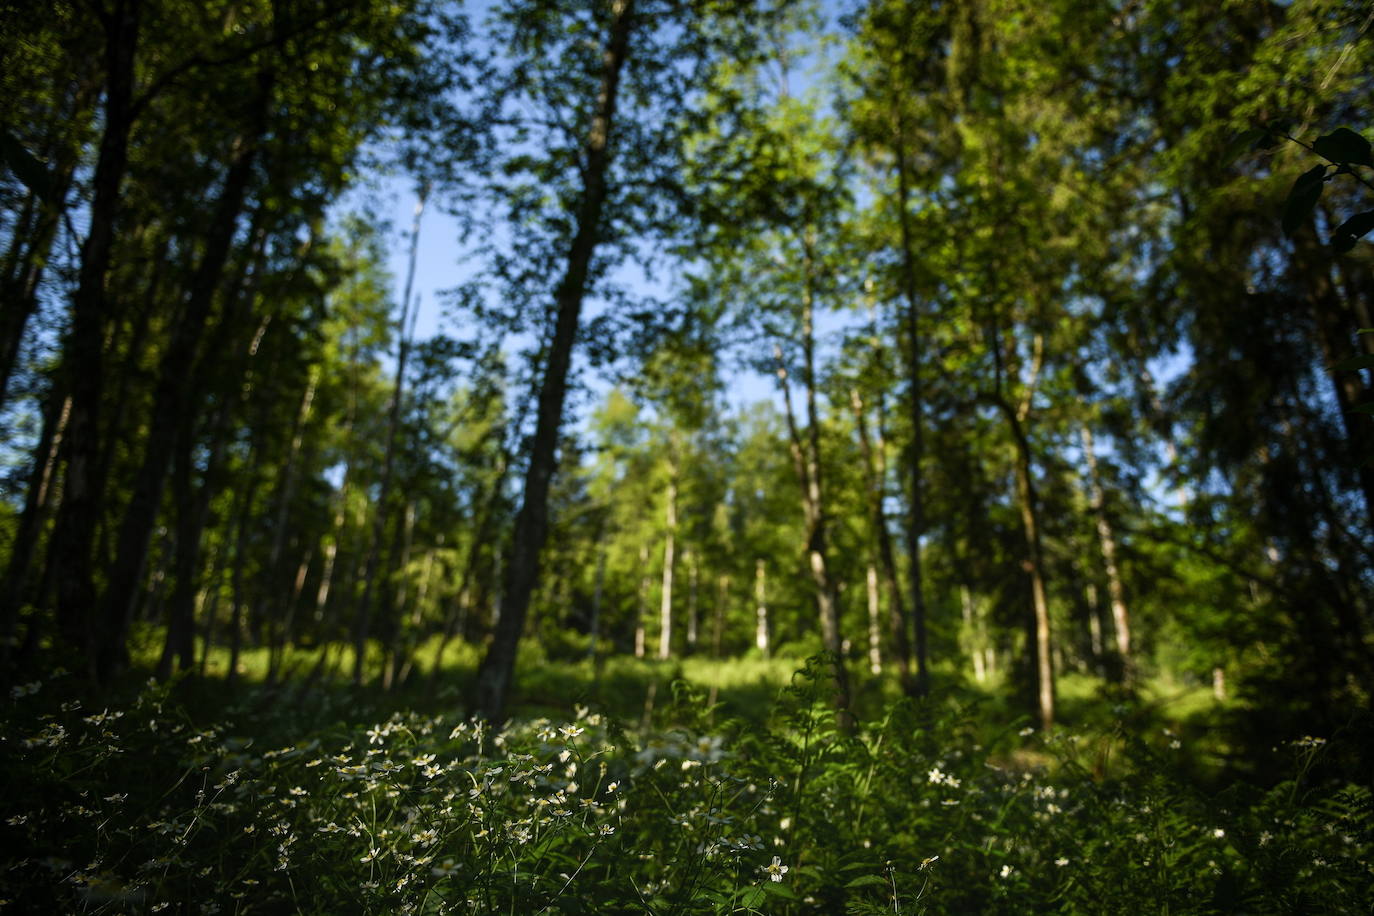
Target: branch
276	40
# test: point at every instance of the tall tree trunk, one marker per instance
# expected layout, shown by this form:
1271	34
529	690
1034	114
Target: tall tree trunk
14	588
83	357
916	523
192	508
718	615
594	629
1028	507
761	629
362	627
665	611
392	631
693	623
1337	318
243	516
417	616
806	457
193	505
875	638
875	474
497	670
974	630
642	601
172	398
1116	594
286	490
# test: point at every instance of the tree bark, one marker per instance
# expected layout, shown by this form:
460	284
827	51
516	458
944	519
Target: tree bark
594	629
761	630
693	623
1116	594
172	400
806	457
718	615
875	639
875	475
362	626
1028	508
497	670
285	491
642	602
83	358
665	611
31	518
916	524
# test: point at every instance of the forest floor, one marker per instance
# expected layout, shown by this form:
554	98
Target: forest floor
691	786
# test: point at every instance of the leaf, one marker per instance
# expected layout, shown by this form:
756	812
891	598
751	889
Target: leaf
752	897
1274	133
1302	197
25	167
1344	147
867	881
1243	143
1349	232
1363	361
776	889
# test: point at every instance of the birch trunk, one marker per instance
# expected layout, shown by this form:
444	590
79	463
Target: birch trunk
665	612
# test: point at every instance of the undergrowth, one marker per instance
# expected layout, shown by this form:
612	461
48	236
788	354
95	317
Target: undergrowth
135	809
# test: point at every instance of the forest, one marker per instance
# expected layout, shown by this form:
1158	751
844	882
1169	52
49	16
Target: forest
845	456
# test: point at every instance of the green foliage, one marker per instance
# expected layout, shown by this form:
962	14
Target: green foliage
136	808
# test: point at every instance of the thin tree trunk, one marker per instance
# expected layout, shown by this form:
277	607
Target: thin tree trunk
192	513
1116	594
417	615
240	557
761	628
665	613
1336	318
362	629
392	631
917	520
973	629
1094	626
83	357
193	506
875	474
595	626
31	520
455	619
642	604
285	492
172	400
210	615
497	670
692	608
875	639
718	616
806	457
1028	507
